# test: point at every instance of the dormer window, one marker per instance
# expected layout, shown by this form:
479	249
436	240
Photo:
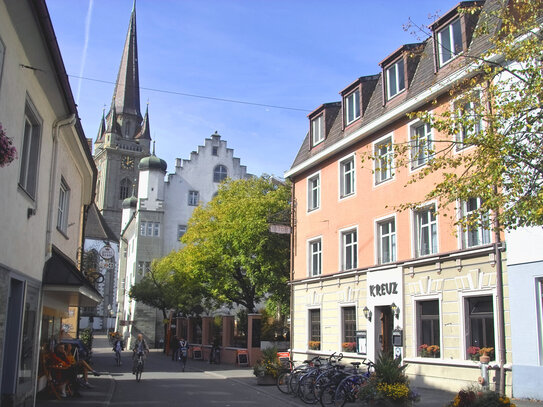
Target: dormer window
317	130
352	106
395	79
450	42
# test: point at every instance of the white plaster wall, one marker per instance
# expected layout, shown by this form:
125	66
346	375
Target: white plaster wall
524	245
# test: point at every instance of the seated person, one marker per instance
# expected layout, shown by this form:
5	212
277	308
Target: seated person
67	371
81	366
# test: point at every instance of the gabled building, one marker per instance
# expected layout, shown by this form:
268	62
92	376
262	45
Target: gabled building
44	198
368	278
155	220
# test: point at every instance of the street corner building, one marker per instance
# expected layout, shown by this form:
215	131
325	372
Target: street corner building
46	191
369	278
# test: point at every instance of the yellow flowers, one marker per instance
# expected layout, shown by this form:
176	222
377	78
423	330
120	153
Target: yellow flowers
396	391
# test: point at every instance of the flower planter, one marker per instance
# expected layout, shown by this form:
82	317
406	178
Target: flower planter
266	380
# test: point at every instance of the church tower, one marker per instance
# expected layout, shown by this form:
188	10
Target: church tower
123	138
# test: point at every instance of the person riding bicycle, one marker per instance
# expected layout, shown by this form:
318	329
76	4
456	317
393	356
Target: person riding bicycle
118	347
183	351
140	348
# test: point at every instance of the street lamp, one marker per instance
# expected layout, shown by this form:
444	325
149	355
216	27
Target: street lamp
367	313
395	310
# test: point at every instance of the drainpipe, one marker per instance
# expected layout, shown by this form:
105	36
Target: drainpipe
67	121
292	226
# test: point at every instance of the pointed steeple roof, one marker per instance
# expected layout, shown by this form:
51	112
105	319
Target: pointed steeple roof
102	128
127	87
145	132
111	124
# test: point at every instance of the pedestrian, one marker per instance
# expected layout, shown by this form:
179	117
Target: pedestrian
174	345
183	352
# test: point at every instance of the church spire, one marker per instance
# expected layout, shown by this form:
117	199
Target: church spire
127	87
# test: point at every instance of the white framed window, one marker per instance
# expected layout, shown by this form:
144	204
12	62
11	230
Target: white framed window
220	173
181	230
315	257
428	328
194	198
314	328
425	222
150	229
317	130
143	267
480	329
313	192
349	249
352	106
386	240
348	331
472	124
421	144
395	79
384	160
449	42
124	188
477	233
29	156
347	177
63	205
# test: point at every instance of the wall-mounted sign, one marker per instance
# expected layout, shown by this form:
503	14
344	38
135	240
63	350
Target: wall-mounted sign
107	252
378	290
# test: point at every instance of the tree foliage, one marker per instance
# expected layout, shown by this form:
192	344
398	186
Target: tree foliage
229	248
167	286
488	143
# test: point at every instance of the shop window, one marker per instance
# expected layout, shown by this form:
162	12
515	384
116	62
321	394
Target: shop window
428	325
480	326
348	321
314	329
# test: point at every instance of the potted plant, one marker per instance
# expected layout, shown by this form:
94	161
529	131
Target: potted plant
314	345
348	346
473	352
8	153
267	369
388	385
429	351
486	354
472	397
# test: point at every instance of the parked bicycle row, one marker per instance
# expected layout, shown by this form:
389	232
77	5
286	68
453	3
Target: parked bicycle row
325	380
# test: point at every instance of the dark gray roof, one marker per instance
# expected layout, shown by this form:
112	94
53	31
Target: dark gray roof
97	227
425	76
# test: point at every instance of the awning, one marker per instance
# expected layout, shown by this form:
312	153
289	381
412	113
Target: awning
66	284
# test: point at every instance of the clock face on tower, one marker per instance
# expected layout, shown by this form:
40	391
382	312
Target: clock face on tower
127	162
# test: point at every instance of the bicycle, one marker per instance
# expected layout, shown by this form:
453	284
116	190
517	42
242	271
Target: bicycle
139	366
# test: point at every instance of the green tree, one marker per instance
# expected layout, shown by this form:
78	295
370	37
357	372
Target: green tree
497	110
230	249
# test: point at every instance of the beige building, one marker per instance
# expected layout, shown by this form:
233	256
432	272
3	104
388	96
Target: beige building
45	192
370	278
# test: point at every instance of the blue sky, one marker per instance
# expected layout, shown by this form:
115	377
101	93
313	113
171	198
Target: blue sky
295	54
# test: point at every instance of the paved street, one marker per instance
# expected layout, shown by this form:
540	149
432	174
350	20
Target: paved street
201	384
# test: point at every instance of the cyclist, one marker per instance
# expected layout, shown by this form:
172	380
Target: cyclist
183	352
140	348
118	347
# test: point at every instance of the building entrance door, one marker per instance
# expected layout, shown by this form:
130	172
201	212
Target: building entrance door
385	325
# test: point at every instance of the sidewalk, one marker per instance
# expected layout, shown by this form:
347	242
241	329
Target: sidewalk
104	385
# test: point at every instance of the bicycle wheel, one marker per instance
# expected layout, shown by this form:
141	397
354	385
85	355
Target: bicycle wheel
340	396
138	374
307	386
118	358
294	383
326	396
282	382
